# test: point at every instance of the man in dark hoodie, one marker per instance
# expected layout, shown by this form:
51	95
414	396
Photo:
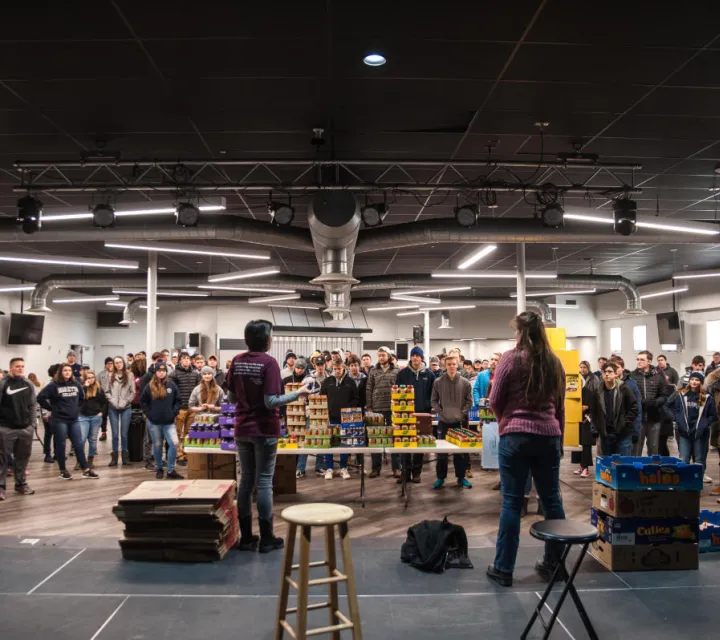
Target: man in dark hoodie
342	393
654	391
613	409
186	377
17	420
664	367
422	380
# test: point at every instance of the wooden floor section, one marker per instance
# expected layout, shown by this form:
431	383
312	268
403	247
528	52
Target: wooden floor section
83	507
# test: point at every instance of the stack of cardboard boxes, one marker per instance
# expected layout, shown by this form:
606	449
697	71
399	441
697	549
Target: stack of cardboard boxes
647	512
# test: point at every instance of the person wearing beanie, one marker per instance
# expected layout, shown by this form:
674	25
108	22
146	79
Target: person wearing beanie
208	396
297	373
290	360
422	380
694	411
435	365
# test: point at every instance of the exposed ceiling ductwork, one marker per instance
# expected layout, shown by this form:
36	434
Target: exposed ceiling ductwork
130	310
632	294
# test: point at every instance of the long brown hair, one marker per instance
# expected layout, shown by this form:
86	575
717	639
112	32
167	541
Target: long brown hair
123	376
546	378
59	373
91	391
208	390
34	379
702	395
158	387
138	368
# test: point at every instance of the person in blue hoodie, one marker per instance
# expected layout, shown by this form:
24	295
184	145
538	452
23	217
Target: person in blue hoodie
160	402
694	412
64	397
481	388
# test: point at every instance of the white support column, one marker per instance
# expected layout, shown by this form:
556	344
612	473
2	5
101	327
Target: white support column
426	334
151	334
520	251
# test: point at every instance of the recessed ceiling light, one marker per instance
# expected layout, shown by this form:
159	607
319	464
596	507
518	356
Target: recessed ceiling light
374	60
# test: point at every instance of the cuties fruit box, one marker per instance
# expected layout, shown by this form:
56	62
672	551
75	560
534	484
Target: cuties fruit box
644	531
656	472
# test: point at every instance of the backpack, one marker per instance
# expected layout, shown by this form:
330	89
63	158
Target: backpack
434	546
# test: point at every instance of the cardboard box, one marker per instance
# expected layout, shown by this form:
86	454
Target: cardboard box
661	557
709	531
211	466
659	473
645	531
645	504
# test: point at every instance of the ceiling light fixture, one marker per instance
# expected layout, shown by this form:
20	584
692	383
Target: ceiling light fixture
417	292
242	275
372	214
10	288
665	292
374	60
266	299
189	249
420	299
124	304
625	217
281	214
544	294
187	214
103	215
477	255
409	313
563	306
29	214
552	215
392	307
315	307
68	261
697	274
451	273
450	308
642	222
467	215
89	299
230	287
167	292
121	214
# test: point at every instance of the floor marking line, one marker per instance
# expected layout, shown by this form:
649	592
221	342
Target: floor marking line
37	586
621	580
112	615
560	622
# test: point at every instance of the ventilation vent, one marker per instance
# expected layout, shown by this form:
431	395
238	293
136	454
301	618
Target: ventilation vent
232	344
110	319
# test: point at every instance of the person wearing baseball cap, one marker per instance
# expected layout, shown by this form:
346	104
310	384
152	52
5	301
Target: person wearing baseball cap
435	365
76	366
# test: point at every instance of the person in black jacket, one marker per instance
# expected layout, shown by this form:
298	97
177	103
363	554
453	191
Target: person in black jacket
17	421
613	409
186	377
342	393
654	391
63	397
355	373
160	402
92	410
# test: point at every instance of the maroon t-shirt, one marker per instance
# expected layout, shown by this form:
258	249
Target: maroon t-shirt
251	377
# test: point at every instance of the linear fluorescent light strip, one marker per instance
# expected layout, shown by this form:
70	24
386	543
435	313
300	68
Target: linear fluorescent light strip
419	292
645	224
248	289
421	310
492	274
184	294
665	292
315	307
542	294
421	300
93	299
240	275
263	300
185	249
563	306
124	304
393	307
9	288
69	261
477	256
697	274
120	214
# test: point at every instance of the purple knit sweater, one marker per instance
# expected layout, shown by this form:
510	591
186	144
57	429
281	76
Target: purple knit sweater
507	400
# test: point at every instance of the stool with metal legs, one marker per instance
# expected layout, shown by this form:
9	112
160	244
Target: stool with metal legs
568	533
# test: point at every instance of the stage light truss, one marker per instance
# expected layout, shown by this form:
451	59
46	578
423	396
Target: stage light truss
297	176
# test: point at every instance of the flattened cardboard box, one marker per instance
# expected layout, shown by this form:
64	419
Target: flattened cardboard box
661	557
642	531
161	490
646	503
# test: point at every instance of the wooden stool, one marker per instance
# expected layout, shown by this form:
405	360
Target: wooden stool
328	516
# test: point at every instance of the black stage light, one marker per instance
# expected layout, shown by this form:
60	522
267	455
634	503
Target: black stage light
29	214
372	214
187	214
625	216
282	214
467	215
553	216
103	215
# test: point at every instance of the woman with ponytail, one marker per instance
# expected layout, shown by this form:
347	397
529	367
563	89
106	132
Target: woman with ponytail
528	398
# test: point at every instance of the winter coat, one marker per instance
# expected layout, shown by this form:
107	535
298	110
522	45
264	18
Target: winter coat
452	399
625	410
671	375
342	393
63	399
379	387
18	405
161	411
422	381
120	394
481	386
676	407
361	382
654	391
186	380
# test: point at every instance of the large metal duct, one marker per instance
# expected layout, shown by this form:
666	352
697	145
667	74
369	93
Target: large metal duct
334	221
130	310
632	295
210	228
507	230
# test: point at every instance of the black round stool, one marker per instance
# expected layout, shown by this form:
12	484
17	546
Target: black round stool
563	534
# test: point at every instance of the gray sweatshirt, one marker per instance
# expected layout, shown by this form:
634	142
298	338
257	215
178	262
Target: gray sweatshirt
196	400
452	399
119	395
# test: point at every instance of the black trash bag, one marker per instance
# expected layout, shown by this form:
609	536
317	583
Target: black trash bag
434	546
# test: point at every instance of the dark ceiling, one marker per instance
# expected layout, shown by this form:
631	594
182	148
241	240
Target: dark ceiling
630	81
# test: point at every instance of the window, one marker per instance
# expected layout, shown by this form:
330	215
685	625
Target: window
668	347
615	339
640	337
713	335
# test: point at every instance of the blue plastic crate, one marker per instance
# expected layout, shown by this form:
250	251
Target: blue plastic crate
709	531
656	472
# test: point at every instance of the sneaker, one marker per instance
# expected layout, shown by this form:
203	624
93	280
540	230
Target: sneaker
396	474
174	475
578	471
24	490
103	436
65	475
415	479
299	474
464	483
49	459
438	484
329	474
374	473
159	474
320	472
585	473
708	480
150	466
469	473
89	474
500	577
344	474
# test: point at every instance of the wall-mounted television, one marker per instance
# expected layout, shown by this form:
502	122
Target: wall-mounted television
670	328
26	328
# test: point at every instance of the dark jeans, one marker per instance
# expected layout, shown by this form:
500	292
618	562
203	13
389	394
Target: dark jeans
620	447
47	439
441	466
696	449
412	464
103	424
377	457
257	466
15	443
519	453
61	432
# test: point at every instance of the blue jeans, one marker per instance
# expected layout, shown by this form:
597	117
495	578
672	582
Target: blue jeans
696	449
164	433
120	418
519	453
620	447
257	466
61	431
89	429
441	465
302	463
